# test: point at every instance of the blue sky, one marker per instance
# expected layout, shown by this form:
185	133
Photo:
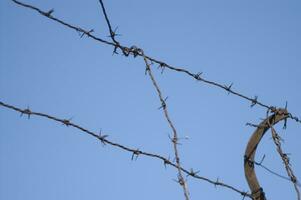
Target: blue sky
254	44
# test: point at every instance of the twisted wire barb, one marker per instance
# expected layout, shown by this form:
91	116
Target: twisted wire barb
133	151
130	51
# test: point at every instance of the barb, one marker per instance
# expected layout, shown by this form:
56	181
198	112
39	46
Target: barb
129	51
255	125
286	160
134	151
174	140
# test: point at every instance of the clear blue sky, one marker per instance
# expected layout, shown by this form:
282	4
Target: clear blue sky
254	44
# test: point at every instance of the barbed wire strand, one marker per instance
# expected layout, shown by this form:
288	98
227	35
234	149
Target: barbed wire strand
275	173
174	139
127	51
112	33
130	51
260	164
133	151
285	159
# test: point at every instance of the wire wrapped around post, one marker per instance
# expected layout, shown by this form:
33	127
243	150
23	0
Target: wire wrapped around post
256	189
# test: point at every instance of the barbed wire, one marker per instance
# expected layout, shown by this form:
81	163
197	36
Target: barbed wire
260	164
148	71
134	151
285	158
174	139
133	50
126	51
138	51
275	173
276	138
